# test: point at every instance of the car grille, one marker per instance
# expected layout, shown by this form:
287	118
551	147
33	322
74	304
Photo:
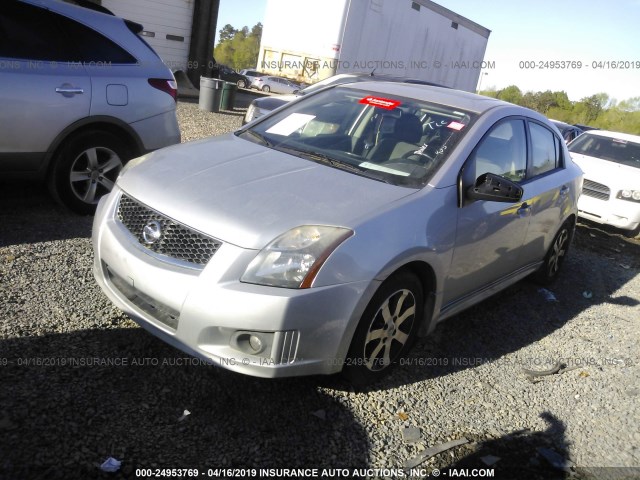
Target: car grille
175	241
596	190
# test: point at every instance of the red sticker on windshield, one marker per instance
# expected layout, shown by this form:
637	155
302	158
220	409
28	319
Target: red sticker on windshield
385	103
456	125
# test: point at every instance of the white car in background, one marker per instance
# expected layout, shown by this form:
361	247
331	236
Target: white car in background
251	76
611	190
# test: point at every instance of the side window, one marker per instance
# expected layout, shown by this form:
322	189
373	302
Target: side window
30	33
503	151
33	33
545	150
93	47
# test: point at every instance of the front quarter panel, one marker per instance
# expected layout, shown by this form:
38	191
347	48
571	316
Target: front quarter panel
419	230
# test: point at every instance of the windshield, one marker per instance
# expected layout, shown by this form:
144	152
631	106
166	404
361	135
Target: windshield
398	140
607	148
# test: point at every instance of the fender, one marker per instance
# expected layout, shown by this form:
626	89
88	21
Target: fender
99	122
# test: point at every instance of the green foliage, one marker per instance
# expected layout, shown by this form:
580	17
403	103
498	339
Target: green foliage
238	48
598	110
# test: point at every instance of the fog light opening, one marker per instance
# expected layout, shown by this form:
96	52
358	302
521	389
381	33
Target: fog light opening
252	343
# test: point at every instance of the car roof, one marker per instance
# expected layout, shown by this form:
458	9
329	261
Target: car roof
445	96
71	9
618	135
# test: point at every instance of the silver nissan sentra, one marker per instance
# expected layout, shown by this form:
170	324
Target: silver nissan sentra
329	234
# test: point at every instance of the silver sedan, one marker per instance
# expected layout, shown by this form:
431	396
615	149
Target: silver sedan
275	85
329	234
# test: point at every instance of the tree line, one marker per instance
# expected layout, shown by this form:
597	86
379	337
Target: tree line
238	49
597	110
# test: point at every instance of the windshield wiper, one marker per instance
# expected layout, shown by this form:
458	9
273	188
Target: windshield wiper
332	162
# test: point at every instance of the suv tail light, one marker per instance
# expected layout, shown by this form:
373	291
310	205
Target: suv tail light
167	86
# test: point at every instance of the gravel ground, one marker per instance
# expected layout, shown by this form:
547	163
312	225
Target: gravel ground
80	382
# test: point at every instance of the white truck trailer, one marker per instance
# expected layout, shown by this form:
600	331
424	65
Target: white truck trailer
309	41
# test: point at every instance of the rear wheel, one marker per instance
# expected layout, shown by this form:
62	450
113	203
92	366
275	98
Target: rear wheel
554	259
86	168
266	88
241	84
386	330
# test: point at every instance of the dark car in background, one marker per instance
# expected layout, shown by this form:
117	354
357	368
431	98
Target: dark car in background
569	132
230	75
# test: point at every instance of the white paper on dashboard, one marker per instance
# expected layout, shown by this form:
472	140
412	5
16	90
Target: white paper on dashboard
290	124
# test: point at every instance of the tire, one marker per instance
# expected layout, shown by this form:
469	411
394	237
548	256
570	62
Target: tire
241	84
379	342
635	234
85	169
554	259
266	88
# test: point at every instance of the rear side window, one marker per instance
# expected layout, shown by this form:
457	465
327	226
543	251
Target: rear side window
32	33
92	47
545	150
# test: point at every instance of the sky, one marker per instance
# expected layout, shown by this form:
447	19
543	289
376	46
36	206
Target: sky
599	34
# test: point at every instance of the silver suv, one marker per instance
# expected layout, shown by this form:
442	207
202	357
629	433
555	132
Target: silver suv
81	94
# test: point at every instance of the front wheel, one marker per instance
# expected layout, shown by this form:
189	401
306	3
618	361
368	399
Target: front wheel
86	168
266	88
554	259
241	84
386	330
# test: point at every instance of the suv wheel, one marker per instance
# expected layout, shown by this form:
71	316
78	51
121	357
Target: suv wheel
86	168
241	84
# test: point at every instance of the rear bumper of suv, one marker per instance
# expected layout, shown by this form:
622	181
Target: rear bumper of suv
158	131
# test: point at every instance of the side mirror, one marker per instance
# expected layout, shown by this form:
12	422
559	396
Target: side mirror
494	188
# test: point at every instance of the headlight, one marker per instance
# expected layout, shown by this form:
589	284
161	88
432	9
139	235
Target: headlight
294	258
631	195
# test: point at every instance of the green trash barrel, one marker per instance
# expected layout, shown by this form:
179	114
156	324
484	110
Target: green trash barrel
228	100
210	94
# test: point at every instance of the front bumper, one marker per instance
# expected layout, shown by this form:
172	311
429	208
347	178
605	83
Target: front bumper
208	313
623	214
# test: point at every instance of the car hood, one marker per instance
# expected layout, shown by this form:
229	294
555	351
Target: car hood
247	194
604	171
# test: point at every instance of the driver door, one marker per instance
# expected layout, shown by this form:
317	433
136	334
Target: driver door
489	234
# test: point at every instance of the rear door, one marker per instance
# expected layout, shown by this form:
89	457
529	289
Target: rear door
547	190
44	89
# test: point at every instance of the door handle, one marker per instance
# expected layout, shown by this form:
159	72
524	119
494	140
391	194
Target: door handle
564	191
524	209
69	91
